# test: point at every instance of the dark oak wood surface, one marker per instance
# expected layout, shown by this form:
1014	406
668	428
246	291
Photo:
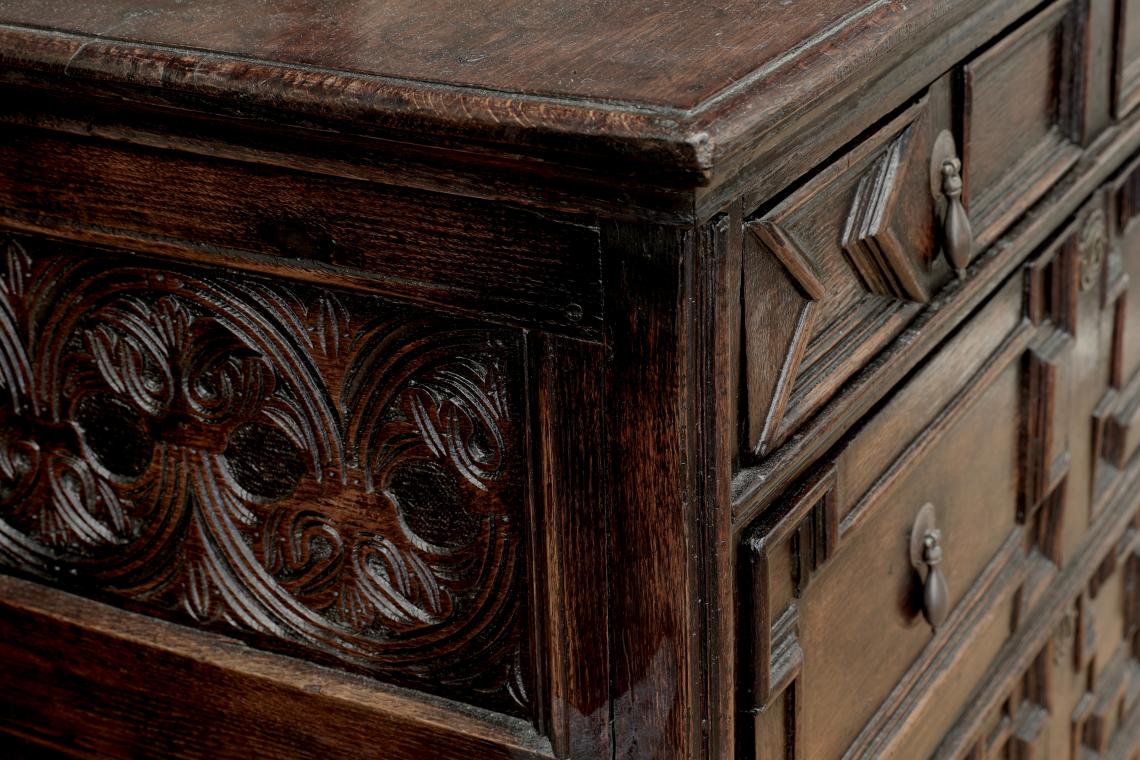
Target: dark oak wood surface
685	88
674	56
570	380
109	705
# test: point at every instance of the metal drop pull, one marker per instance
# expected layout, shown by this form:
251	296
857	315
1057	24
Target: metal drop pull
946	180
935	595
926	556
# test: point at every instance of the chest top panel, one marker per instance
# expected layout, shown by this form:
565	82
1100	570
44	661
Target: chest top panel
685	103
674	54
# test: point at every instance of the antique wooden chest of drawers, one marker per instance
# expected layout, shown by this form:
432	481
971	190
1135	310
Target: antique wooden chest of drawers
427	379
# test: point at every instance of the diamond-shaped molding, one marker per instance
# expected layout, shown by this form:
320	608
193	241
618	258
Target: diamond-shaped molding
872	245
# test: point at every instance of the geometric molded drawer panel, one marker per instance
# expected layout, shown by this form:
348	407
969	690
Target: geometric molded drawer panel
847	650
1002	452
1018	119
834	271
316	472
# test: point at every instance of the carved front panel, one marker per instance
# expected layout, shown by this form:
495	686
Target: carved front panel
322	473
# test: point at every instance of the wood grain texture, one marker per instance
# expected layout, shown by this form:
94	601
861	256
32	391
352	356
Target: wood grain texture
464	254
1037	466
675	56
635	326
650	466
230	701
747	138
840	114
571	438
733	71
853	589
717	274
835	271
1097	36
755	486
1064	629
471	172
1020	113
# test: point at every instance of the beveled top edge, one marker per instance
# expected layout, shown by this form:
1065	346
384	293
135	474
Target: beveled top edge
689	145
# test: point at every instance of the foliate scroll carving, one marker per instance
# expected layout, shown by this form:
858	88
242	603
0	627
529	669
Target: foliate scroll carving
309	470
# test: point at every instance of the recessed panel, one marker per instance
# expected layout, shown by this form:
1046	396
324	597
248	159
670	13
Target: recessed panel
1018	106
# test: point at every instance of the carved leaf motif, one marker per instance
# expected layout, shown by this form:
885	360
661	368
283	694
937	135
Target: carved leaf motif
87	506
18	265
198	594
15	366
19	461
329	324
305	553
170	360
459	411
137	369
399	588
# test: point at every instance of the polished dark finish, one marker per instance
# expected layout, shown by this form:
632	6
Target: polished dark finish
587	50
570	380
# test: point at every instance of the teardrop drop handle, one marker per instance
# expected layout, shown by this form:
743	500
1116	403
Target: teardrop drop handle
957	236
935	593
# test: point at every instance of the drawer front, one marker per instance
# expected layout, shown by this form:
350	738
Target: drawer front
1066	683
836	269
1017	431
322	473
1020	113
1079	695
837	606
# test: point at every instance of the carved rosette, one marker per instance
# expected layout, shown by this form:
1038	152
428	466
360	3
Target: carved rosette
310	471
